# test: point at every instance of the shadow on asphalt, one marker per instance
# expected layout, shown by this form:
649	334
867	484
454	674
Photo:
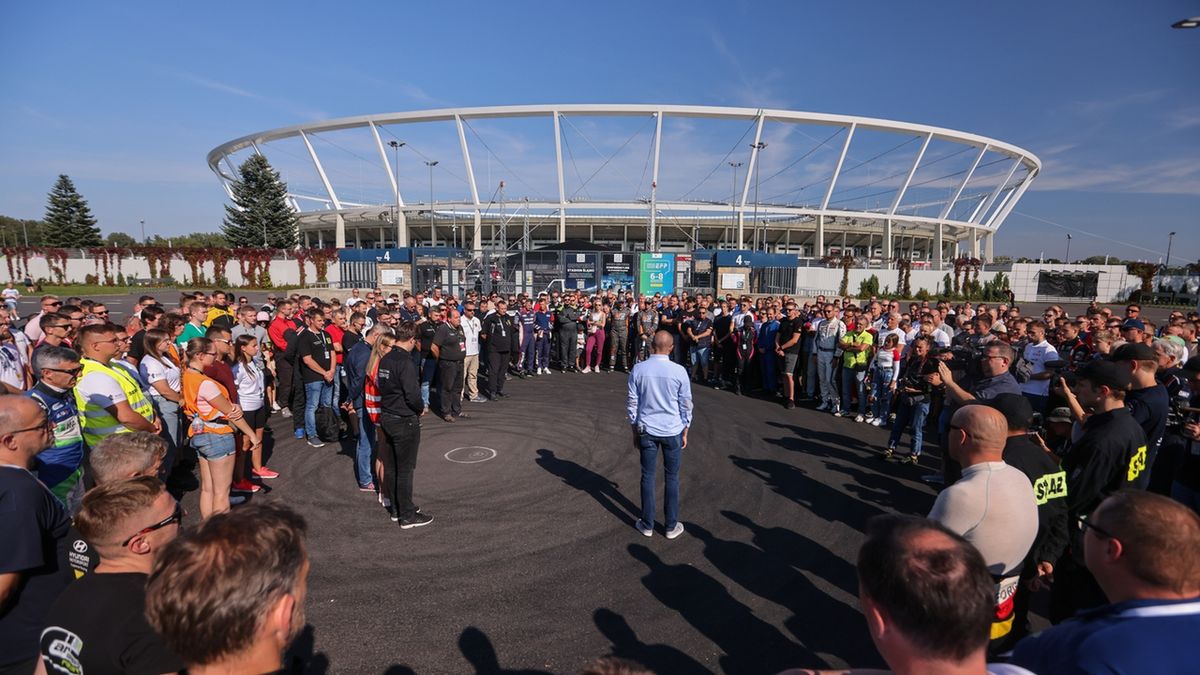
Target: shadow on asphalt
821	500
606	492
659	658
477	648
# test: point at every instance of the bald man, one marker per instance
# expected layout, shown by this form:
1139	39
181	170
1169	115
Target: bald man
992	505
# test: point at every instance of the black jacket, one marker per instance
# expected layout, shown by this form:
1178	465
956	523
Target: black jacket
1049	489
1110	455
496	332
399	386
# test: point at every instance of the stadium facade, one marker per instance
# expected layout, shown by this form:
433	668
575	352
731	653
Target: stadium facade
644	177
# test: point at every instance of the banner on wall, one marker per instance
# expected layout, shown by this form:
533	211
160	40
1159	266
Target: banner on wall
618	271
656	273
581	272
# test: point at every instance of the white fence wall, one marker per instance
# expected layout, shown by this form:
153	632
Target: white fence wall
283	272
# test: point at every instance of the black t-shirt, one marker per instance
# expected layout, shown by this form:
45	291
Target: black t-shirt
1149	407
787	329
497	328
317	345
425	333
349	339
671	318
98	625
699	326
80	554
33	543
137	345
452	344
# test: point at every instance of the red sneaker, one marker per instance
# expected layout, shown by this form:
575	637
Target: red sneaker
265	473
245	486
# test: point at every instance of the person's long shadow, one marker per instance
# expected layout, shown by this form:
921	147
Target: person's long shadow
481	654
823	624
750	645
885	491
626	645
822	500
800	552
606	492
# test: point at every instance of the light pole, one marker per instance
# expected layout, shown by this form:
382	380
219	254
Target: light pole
1068	248
432	231
143	224
733	195
757	146
396	145
1167	264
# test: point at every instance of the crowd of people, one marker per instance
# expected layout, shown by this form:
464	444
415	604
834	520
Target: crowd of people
1055	434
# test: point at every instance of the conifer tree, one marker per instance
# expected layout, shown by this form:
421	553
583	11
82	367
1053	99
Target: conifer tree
69	221
259	215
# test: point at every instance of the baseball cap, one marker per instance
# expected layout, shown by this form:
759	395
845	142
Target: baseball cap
1106	373
1133	323
1059	415
1016	410
999	328
262	316
1133	351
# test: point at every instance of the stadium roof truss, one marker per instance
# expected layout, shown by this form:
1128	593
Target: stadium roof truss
826	174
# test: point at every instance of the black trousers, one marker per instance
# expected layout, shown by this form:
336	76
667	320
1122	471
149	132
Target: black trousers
298	397
566	348
450	387
283	377
398	452
497	365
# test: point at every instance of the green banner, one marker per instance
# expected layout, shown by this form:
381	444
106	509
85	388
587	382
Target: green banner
656	273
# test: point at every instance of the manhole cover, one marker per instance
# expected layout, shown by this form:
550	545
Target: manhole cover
471	454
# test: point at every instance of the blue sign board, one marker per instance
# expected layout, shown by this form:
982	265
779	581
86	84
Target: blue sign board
378	255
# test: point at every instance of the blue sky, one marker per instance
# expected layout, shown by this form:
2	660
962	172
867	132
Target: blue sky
128	98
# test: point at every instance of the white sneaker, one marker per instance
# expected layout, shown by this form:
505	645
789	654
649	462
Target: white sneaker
586	370
646	530
823	407
837	412
858	418
877	422
675	531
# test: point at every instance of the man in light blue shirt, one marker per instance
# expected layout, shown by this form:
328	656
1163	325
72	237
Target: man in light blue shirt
660	412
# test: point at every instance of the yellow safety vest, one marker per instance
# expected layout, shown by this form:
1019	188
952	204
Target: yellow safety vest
94	418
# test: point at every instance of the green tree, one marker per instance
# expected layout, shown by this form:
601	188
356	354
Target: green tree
69	221
119	239
15	231
259	215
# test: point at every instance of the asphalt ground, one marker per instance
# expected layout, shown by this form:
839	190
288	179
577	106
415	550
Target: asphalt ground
532	563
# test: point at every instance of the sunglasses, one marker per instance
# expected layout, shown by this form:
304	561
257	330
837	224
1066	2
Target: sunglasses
176	517
52	304
73	372
1085	524
45	424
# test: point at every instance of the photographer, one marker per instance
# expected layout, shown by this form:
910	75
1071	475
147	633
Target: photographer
916	388
1109	456
1147	400
993	379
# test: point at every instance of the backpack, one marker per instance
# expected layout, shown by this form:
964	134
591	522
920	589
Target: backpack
1022	369
329	427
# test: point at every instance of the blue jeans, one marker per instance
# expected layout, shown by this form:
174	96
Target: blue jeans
168	413
315	394
672	451
854	380
698	356
881	389
366	448
914	412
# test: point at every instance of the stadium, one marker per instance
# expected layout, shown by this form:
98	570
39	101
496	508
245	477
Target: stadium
638	177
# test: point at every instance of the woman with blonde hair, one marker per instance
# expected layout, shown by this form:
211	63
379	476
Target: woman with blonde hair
371	411
210	432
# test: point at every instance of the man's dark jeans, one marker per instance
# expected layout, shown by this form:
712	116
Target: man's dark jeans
402	436
672	452
497	365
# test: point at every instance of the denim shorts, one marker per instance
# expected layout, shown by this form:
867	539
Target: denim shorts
213	446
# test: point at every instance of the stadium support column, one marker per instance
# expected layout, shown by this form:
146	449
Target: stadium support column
477	235
339	237
819	249
988	250
974	242
754	148
562	191
887	244
940	246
